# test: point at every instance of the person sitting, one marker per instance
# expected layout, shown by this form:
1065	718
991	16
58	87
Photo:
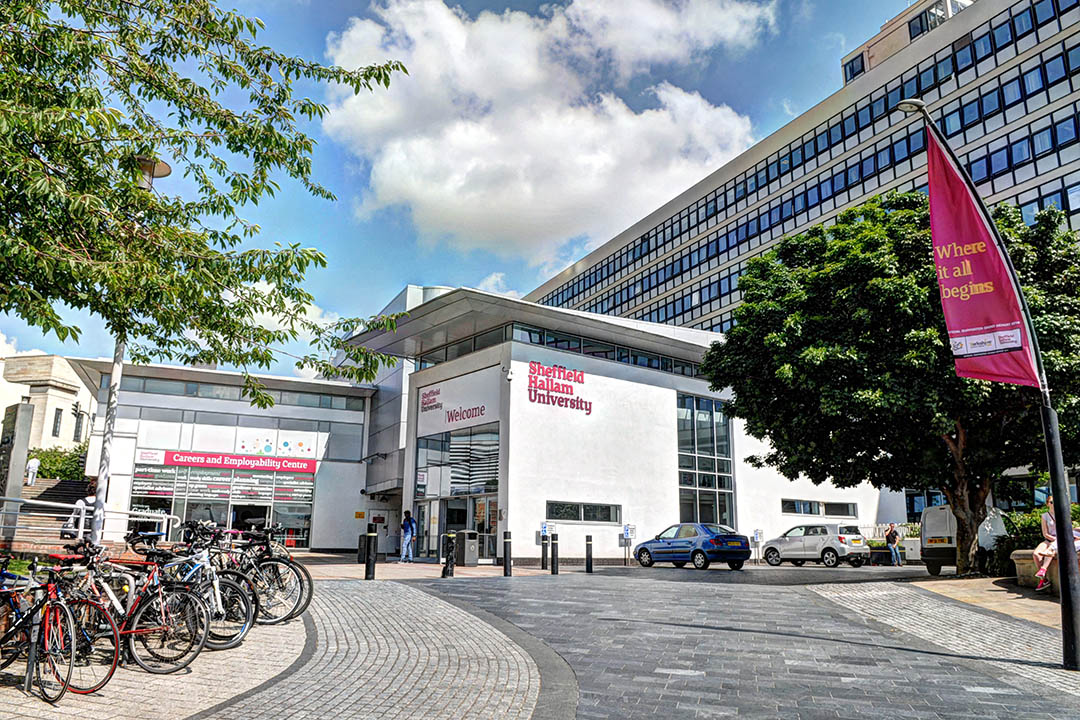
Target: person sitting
1046	551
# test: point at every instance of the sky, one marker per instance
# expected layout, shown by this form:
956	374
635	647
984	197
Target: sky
524	135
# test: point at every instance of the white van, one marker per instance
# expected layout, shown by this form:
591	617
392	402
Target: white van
938	537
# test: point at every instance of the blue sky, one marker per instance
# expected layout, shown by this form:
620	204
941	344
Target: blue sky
525	134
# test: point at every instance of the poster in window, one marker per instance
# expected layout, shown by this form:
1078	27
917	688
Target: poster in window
294	487
153	480
253	485
209	483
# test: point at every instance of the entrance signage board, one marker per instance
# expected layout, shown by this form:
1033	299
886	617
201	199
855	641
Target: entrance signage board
254	485
629	531
557	386
153	480
547	528
460	402
193	458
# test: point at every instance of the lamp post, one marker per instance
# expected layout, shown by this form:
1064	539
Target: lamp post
150	169
1068	574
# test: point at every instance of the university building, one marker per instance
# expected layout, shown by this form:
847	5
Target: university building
1002	80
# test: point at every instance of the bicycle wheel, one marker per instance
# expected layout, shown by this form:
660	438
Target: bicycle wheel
16	647
168	631
56	651
281	590
230	625
309	590
97	646
245	582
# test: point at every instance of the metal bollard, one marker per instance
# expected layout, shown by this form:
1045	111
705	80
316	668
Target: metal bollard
554	553
372	549
508	562
588	553
543	552
448	568
361	548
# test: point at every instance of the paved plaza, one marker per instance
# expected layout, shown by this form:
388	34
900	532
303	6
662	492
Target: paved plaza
617	644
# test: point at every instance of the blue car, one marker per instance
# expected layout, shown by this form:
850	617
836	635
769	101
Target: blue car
696	543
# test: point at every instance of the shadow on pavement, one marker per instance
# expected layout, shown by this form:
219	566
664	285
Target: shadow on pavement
827	638
784	576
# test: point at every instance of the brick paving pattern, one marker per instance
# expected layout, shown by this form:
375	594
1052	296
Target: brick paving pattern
649	648
1026	652
213	678
386	650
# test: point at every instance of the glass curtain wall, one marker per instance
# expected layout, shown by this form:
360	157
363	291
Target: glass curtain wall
705	484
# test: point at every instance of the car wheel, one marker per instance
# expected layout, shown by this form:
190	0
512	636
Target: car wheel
798	563
856	561
829	558
772	556
645	558
735	564
933	568
700	560
679	564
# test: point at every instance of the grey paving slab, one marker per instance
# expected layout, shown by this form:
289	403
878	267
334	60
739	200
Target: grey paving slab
644	648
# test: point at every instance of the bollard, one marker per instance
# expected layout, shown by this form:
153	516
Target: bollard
507	560
448	568
588	553
361	548
554	553
372	549
543	552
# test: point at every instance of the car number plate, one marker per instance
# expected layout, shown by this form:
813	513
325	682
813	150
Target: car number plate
735	543
937	541
856	542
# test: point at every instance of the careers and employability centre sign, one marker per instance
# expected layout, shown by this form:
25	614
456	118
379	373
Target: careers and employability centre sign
188	458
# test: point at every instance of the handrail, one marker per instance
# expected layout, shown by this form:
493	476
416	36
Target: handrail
80	528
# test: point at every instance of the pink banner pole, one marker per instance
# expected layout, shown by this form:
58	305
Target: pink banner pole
1067	557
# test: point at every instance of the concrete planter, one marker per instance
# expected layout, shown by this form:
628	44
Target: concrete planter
910	548
882	556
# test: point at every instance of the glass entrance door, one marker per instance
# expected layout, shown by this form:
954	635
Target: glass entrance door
242	516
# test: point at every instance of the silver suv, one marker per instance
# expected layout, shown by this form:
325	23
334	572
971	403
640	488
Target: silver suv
823	543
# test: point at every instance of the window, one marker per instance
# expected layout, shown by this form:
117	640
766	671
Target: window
991	104
686	531
601	513
134	384
164	387
970	113
1074	58
883	160
842	509
868	166
1065	131
911	87
528	335
864	117
219	392
916	26
1002	35
1055	70
669	533
1043	141
58	419
1033	81
926	79
835	134
944	69
795	532
1010	93
900	149
598	349
77	435
952	123
999	161
560	341
916	141
849	126
963	57
1044	11
800	507
877	108
563	511
1027	212
979	170
983	46
1022	24
1021	152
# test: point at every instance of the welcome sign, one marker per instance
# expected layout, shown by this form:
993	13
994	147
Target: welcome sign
461	402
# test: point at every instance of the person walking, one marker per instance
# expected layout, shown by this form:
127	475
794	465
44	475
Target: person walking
892	539
32	471
408	533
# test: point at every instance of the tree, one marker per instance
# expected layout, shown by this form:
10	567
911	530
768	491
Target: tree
87	87
839	359
62	464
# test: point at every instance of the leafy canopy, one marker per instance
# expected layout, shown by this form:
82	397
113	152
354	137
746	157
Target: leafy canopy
89	86
840	360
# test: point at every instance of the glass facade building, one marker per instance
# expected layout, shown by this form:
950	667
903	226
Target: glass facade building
1002	79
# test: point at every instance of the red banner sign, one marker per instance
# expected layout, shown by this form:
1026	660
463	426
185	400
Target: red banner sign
987	332
190	458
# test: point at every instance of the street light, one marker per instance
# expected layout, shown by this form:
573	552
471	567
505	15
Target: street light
150	169
1069	575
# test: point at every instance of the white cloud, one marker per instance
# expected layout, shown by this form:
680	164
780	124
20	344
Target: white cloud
312	312
503	137
496	283
788	108
9	347
835	39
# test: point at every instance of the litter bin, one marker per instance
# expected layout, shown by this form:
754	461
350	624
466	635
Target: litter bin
466	548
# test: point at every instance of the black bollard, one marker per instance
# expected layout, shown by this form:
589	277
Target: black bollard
361	548
588	553
554	553
543	552
448	568
372	549
507	560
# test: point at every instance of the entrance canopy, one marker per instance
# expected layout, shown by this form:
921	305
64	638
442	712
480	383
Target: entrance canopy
464	312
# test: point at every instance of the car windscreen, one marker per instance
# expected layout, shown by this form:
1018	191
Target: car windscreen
849	530
719	529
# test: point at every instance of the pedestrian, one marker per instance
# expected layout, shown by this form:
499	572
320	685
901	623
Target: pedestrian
32	471
408	534
84	511
1046	551
892	539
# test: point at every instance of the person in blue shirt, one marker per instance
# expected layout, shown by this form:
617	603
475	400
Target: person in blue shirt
408	535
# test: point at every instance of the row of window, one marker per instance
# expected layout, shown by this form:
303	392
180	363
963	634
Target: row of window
963	56
703	429
931	17
813	507
199	417
559	341
232	392
583	512
1022	151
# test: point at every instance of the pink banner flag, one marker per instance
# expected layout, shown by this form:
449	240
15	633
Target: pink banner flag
989	337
